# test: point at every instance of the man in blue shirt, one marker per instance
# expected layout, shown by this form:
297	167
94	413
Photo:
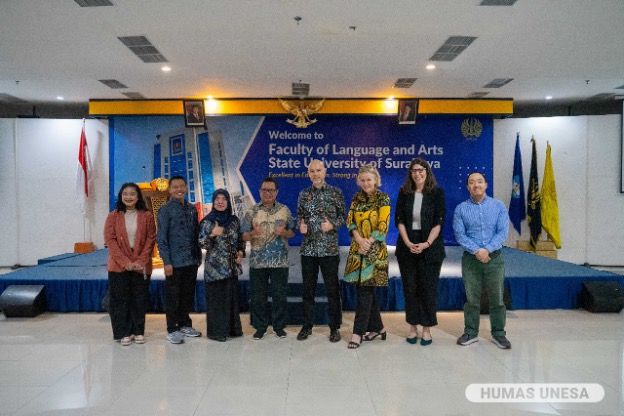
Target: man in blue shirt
178	243
481	224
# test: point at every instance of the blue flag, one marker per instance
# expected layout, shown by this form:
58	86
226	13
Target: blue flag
517	207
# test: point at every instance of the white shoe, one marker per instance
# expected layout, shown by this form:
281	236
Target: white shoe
125	341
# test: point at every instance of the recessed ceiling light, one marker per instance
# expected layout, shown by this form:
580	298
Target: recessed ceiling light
60	97
430	67
549	97
166	68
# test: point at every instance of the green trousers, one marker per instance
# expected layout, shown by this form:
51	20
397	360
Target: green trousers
489	277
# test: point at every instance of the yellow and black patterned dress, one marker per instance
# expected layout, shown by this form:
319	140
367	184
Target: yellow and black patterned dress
369	215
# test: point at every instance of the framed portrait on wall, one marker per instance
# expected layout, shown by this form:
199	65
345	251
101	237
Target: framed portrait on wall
407	111
194	115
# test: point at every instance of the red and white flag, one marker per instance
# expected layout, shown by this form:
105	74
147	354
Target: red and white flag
83	171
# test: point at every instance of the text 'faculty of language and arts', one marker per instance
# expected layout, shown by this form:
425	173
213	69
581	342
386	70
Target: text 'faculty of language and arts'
343	144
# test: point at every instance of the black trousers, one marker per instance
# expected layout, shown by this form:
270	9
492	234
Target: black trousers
129	297
420	288
259	280
329	269
222	317
179	296
367	316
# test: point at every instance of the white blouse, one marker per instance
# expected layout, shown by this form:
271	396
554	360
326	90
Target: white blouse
418	198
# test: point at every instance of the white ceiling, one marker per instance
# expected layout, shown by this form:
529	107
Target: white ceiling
241	48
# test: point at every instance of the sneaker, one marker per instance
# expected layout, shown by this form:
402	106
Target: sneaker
217	338
304	334
258	335
467	339
189	331
501	342
139	339
125	341
280	333
175	337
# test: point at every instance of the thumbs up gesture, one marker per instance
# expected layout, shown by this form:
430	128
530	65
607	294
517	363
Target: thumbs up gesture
217	230
326	226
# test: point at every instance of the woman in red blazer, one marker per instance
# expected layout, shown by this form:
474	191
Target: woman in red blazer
130	235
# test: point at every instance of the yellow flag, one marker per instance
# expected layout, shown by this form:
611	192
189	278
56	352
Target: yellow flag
550	208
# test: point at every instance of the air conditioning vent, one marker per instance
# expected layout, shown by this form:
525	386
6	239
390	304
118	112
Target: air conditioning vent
497	2
112	83
452	48
134	95
478	94
498	82
404	82
93	3
300	89
143	48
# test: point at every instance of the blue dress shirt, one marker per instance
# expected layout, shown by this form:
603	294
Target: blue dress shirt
480	225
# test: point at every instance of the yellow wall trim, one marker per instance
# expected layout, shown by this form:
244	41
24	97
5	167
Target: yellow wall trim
272	106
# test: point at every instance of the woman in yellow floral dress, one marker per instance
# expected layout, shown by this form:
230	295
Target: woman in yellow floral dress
367	263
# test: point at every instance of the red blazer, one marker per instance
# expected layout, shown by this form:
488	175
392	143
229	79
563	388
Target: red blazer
116	238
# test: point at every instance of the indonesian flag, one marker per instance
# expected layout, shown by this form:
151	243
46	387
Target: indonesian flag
83	172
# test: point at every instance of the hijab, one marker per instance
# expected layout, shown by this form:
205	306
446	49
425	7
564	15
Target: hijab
222	217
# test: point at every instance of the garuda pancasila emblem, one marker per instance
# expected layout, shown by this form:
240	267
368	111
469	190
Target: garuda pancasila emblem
302	110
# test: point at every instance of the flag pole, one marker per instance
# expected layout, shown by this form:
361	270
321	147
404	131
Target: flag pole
84	216
82	190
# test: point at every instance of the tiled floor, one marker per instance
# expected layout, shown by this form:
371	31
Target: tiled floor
67	364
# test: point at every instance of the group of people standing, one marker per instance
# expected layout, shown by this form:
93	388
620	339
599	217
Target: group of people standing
480	224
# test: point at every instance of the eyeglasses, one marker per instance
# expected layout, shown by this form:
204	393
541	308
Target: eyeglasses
268	191
418	170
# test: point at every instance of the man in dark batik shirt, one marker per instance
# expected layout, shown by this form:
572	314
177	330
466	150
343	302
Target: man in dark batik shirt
320	210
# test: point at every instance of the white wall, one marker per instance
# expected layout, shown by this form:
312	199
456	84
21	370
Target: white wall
605	202
38	162
585	152
38	168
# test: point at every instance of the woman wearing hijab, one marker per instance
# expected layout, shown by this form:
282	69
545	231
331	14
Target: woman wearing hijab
219	234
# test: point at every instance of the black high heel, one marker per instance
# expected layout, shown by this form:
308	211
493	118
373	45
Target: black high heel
381	335
353	345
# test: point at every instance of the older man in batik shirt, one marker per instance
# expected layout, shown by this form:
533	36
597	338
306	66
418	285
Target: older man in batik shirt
320	210
268	225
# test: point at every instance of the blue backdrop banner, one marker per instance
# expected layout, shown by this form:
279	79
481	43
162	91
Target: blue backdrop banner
237	152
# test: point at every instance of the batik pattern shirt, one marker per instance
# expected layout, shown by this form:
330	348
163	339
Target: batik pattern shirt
313	206
221	251
268	250
369	215
178	230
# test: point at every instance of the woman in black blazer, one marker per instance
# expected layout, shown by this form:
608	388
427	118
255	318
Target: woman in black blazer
419	216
